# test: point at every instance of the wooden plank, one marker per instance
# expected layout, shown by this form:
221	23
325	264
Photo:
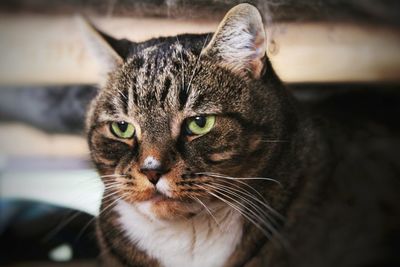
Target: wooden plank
49	50
59	182
21	140
75	189
335	53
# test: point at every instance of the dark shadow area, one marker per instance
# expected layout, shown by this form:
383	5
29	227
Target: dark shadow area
30	231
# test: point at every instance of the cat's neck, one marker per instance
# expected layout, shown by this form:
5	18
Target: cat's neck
202	240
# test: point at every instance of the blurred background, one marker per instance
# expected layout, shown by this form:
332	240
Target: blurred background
49	191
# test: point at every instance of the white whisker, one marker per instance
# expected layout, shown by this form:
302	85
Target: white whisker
246	185
238	209
208	210
258	214
261	214
106	188
112	175
247	193
102	211
122	94
109	194
61	225
239	178
253	198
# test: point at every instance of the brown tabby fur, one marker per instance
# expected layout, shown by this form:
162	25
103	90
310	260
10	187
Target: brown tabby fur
260	131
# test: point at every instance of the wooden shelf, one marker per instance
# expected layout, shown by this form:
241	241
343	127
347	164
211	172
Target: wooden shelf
49	49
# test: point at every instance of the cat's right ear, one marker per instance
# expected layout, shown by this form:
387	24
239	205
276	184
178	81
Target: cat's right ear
108	52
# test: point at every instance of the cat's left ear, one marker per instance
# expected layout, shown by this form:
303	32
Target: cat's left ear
108	52
239	43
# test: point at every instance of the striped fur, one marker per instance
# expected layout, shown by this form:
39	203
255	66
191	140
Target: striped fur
162	83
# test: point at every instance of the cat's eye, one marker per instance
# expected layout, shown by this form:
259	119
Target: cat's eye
122	129
200	125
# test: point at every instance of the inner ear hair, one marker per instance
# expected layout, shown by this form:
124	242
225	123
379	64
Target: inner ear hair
239	43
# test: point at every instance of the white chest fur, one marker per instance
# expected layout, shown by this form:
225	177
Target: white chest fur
196	242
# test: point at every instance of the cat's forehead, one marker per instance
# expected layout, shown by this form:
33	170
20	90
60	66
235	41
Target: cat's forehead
165	50
167	80
159	63
152	82
159	77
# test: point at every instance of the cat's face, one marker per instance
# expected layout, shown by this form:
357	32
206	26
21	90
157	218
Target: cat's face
174	124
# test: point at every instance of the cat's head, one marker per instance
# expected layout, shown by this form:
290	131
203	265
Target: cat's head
180	118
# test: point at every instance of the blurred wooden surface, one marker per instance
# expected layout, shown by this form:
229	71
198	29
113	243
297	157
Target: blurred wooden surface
21	140
49	49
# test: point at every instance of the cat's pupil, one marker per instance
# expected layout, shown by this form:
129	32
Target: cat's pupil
200	121
122	126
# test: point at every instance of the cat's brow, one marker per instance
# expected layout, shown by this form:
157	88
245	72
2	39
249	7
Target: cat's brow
107	117
199	105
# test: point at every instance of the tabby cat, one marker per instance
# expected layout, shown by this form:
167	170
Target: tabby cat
207	160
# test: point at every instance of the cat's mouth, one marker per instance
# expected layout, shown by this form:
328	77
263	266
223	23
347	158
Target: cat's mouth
157	197
163	207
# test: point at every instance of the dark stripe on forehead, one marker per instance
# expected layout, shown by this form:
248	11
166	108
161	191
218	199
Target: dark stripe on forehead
124	99
110	108
177	65
183	96
134	90
199	102
138	62
148	69
185	57
150	99
165	90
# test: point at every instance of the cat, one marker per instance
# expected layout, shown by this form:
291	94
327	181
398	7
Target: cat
208	160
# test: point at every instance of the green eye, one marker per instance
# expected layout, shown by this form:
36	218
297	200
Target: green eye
122	129
200	125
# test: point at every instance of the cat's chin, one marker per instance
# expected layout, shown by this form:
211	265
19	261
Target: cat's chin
164	208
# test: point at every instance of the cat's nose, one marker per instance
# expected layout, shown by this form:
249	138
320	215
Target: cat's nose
153	168
152	174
